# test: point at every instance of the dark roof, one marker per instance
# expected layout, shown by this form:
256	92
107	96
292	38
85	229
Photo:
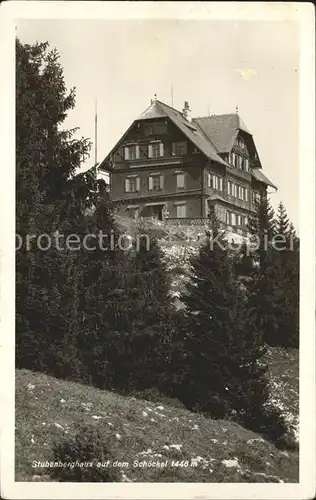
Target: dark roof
222	130
212	135
259	176
158	109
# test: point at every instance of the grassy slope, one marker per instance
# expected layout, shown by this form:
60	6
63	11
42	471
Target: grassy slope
135	429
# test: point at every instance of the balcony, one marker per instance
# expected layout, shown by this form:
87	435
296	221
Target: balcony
159	161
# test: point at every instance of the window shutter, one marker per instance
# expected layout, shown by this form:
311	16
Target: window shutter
235	190
161	182
221	184
126	185
214	182
150	151
246	194
137	151
137	184
246	164
150	183
227	217
161	149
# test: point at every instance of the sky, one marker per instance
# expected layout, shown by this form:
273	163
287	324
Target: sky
214	65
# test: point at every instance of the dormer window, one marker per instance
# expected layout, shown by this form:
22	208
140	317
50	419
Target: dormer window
179	148
245	164
131	152
155	149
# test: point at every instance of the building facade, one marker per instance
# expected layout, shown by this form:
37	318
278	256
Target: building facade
178	169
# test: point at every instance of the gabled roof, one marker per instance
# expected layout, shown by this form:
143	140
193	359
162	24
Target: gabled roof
222	130
212	135
159	109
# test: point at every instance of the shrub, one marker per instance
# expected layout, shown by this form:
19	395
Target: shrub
87	448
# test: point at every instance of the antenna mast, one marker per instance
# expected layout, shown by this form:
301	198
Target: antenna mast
95	131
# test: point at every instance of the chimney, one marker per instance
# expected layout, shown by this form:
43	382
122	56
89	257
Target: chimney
186	111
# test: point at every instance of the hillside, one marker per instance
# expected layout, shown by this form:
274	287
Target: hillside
138	430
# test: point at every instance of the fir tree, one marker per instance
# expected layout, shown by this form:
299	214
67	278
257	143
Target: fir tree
261	227
47	157
146	328
275	287
225	375
282	224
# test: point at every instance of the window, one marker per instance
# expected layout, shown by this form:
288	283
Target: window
148	129
236	161
181	211
215	181
244	164
179	148
132	184
155	182
229	188
155	128
235	190
131	152
233	219
245	194
240	143
180	180
256	197
238	220
155	149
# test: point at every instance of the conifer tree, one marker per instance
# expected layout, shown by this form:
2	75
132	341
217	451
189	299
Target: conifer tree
103	316
224	372
150	317
275	287
282	224
261	226
47	157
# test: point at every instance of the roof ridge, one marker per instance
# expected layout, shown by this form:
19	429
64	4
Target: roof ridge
165	104
212	116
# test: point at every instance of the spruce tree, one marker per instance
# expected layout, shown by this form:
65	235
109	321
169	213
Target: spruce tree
146	325
47	156
224	372
274	287
282	224
261	227
287	274
104	267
